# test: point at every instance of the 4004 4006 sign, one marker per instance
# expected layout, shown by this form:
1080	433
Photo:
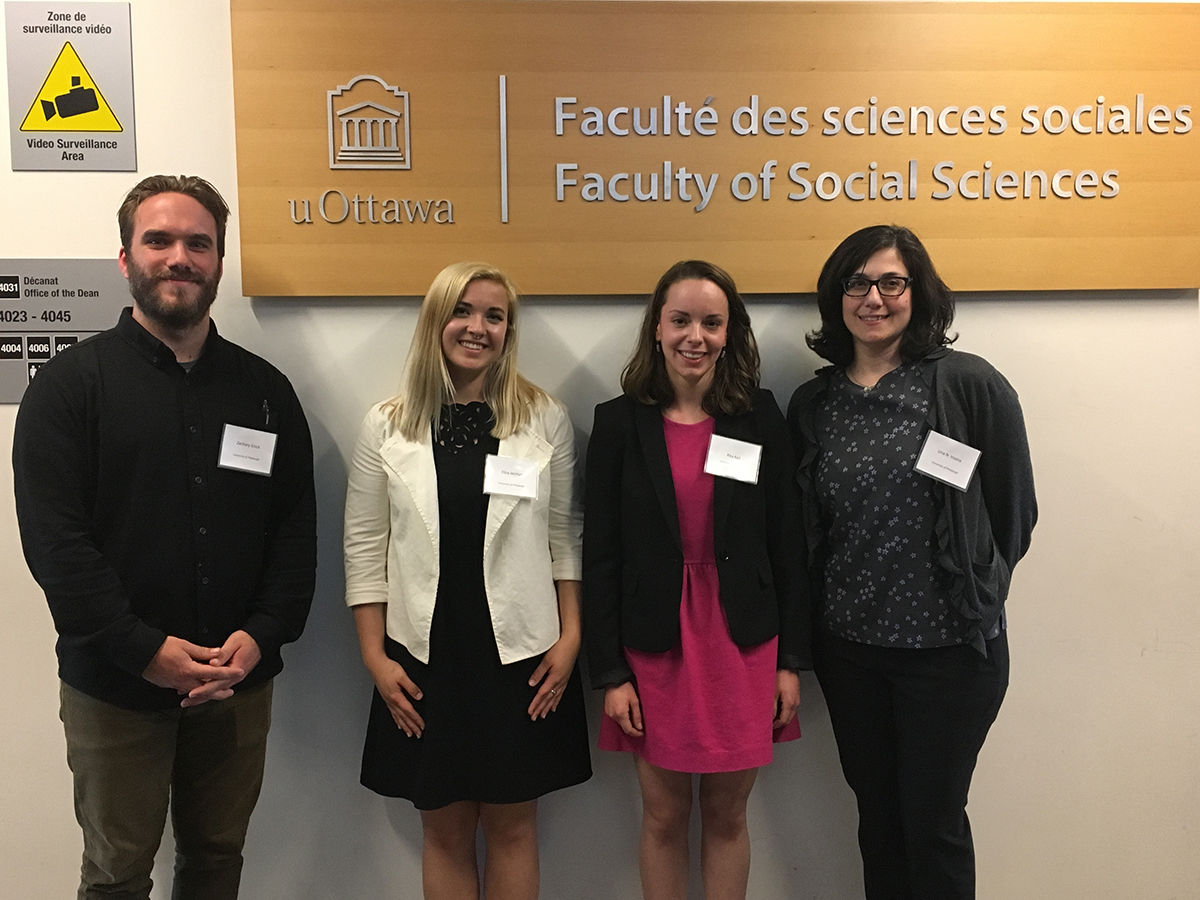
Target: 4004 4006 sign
335	207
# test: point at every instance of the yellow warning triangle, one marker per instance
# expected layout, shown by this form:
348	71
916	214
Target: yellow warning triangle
69	100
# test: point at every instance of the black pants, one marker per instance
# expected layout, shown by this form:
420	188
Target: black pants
909	725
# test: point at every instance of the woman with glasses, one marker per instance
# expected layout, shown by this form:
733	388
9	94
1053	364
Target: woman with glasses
918	503
463	568
696	602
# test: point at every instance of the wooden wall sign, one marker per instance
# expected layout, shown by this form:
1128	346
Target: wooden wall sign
585	146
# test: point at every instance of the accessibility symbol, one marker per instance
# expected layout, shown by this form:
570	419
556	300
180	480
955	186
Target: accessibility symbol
69	100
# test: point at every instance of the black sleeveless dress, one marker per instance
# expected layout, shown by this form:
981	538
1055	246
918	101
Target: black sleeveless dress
479	743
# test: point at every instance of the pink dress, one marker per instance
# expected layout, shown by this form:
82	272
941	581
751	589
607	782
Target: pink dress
708	704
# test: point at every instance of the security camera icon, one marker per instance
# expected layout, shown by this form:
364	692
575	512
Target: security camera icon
75	102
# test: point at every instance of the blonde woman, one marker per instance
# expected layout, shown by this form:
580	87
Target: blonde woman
462	548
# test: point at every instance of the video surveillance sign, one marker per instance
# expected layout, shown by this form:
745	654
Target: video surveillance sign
70	87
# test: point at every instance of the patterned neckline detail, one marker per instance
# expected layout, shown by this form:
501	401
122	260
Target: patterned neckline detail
461	425
899	371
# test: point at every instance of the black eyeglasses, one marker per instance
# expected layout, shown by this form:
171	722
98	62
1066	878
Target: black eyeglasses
890	286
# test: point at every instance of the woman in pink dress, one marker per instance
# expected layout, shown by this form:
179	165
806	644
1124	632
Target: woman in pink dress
695	598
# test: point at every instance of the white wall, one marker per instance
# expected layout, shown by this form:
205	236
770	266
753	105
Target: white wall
1089	787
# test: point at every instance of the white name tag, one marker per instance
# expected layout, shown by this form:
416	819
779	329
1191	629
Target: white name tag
247	450
510	476
947	460
731	458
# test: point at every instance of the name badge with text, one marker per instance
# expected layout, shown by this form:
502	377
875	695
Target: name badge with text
947	460
510	476
247	450
731	458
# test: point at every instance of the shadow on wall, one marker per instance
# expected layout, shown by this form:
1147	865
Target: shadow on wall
317	833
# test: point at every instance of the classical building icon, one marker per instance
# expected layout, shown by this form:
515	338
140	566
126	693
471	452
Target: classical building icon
368	125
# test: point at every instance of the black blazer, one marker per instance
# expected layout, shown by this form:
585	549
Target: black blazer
633	554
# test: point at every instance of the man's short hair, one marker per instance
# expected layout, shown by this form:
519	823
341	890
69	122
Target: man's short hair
190	186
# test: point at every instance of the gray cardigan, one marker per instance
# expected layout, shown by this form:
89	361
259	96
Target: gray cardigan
981	532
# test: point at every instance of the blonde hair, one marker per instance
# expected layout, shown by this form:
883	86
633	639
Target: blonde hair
427	384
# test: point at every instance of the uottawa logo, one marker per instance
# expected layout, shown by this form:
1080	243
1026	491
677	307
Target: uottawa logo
368	125
368	129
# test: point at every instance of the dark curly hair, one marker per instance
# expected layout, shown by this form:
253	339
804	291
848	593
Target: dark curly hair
932	300
736	377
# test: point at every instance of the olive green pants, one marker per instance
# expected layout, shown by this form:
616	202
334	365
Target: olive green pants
205	763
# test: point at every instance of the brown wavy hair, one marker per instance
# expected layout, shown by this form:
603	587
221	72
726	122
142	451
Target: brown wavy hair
190	186
735	379
932	300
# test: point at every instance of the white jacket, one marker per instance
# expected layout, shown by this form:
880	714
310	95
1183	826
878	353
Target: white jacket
391	538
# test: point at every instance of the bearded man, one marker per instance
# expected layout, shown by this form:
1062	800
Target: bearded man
164	482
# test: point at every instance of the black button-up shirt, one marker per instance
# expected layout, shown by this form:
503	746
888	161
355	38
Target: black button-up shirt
131	528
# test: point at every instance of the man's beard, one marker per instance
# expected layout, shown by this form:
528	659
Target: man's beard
180	313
